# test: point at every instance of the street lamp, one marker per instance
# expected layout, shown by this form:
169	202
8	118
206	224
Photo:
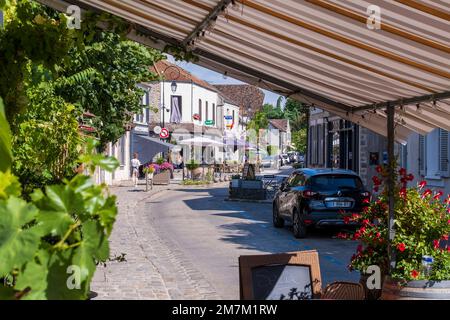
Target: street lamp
173	87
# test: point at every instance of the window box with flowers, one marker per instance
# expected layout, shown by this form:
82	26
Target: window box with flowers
420	245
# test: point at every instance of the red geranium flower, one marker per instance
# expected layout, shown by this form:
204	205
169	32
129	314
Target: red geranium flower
414	273
427	193
379	169
365	222
410	177
403	192
422	184
366	200
359	248
448	222
346	220
436	244
402	171
447	201
376	181
438	195
377	235
445	237
401	247
376	189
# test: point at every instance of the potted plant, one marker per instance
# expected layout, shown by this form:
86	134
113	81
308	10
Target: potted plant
420	245
194	168
150	170
162	173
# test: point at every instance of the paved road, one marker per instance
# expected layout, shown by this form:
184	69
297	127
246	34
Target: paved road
211	233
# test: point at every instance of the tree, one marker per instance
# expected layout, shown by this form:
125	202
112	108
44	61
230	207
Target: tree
111	68
55	74
272	112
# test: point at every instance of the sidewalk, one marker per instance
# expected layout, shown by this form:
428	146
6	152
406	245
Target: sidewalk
154	268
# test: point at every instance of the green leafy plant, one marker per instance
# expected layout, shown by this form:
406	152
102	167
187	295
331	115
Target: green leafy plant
422	226
192	165
189	182
160	160
49	246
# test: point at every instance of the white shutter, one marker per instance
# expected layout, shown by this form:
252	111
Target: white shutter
444	166
422	156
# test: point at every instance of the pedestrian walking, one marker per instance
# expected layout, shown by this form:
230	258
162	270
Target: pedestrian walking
135	164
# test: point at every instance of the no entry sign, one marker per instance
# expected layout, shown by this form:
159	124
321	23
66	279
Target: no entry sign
164	133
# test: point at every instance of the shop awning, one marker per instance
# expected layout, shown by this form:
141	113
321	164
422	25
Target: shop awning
148	147
321	52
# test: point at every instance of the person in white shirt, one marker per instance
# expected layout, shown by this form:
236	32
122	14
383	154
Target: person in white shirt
135	164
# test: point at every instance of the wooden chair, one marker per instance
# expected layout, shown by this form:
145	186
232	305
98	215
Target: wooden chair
342	290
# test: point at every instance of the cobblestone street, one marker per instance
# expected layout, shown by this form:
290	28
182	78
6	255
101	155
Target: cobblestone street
183	242
154	268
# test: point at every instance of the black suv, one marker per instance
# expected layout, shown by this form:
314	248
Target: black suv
318	198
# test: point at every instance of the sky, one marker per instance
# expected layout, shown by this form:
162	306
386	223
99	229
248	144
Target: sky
217	78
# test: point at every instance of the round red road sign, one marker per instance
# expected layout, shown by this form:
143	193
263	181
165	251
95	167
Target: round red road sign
164	133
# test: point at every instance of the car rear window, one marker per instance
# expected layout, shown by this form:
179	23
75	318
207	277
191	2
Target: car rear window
334	182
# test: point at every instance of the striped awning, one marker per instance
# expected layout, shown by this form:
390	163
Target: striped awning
328	53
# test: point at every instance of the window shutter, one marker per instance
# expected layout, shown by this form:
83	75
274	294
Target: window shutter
422	156
314	144
444	166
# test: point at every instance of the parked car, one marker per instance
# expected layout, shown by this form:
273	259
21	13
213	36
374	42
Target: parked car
284	159
318	198
270	162
294	156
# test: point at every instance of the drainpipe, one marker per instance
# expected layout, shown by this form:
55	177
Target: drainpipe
391	181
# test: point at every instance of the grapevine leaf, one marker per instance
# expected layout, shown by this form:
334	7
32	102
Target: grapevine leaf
62	277
9	185
55	223
108	213
5	141
95	240
18	245
34	276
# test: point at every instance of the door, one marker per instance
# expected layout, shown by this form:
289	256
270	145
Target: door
282	196
291	199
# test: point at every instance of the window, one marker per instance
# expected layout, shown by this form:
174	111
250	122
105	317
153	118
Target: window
147	115
176	109
206	111
297	180
422	155
200	108
233	116
444	150
334	182
214	113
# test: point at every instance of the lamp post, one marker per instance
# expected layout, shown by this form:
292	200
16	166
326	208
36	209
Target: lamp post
173	87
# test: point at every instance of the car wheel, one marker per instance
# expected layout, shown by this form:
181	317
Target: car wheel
277	221
298	225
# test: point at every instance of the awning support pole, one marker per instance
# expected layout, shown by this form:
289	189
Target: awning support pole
391	182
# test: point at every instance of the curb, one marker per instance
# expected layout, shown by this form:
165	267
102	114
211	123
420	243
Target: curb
248	200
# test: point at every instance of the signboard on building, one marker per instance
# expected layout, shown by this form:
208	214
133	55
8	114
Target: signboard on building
209	122
229	122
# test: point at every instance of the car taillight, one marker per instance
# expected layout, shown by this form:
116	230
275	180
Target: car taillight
366	197
309	193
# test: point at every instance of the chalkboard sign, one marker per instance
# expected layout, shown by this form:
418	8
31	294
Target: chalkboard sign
249	172
279	282
285	276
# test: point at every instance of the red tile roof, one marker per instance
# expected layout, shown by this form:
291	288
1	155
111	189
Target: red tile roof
168	71
280	124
